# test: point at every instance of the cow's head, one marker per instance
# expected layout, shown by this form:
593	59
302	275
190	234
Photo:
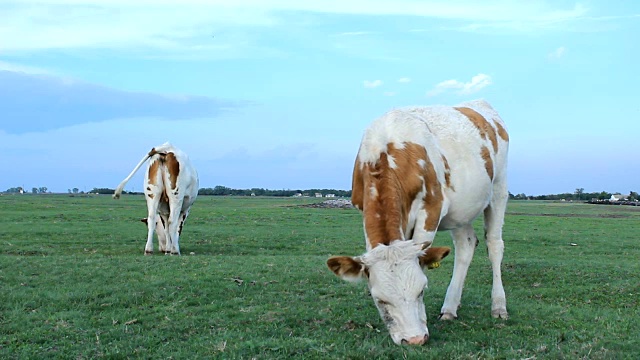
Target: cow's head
396	283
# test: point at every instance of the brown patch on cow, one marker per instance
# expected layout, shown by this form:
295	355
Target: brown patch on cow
486	130
433	255
387	211
153	172
150	196
488	162
502	132
357	186
174	169
152	152
447	173
344	266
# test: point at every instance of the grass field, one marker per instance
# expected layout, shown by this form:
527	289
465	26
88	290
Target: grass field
252	283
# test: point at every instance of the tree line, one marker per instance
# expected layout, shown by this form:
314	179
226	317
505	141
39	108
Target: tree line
578	195
223	190
227	191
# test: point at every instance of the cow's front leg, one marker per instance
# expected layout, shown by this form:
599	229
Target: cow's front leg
174	224
464	241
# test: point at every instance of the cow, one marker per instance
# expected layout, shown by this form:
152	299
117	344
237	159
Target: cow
170	188
420	170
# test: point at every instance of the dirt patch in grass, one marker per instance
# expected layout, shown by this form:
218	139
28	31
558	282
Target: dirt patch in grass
330	204
608	216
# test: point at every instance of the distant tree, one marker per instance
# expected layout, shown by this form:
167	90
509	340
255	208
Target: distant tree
221	190
76	190
42	190
34	190
579	192
633	195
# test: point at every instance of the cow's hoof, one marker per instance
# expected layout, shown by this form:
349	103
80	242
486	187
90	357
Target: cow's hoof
447	316
148	252
175	253
500	314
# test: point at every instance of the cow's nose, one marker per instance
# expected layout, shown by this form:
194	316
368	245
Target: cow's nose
416	340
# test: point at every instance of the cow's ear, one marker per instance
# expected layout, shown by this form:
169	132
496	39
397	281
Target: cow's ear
144	220
432	257
347	268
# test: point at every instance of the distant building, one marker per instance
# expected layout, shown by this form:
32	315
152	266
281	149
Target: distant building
618	197
318	195
330	195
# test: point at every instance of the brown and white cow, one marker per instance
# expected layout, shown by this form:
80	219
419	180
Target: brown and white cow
170	188
420	170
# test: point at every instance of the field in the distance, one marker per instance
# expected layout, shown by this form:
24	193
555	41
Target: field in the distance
252	283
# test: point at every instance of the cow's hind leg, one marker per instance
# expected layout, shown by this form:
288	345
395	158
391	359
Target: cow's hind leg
161	232
175	220
152	218
493	221
464	242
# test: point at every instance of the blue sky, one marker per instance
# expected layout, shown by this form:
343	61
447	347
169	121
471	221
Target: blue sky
277	93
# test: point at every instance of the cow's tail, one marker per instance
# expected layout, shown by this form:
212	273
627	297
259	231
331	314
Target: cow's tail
118	192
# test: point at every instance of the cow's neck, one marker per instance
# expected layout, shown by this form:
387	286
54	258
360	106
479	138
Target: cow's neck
385	211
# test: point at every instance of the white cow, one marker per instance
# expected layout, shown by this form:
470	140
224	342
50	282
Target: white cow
420	170
170	188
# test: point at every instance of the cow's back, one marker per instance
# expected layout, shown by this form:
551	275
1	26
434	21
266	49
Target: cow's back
466	144
171	169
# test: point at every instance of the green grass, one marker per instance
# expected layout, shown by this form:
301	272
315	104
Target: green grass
252	283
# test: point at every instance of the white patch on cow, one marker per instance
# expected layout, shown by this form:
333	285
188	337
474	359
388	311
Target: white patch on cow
399	145
367	243
396	283
422	163
373	192
392	162
403	127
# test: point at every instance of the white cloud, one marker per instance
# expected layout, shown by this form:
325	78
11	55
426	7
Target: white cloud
7	66
372	84
178	25
476	83
355	33
558	53
389	93
404	80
